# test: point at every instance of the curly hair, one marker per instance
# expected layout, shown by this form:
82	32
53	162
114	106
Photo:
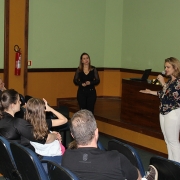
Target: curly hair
175	64
8	97
35	115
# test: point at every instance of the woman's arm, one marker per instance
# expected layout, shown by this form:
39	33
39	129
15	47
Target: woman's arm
96	80
60	118
148	91
76	78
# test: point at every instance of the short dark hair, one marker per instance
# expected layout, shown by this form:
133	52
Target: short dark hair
83	126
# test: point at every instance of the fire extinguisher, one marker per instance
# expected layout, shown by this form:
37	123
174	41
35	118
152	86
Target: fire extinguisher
17	50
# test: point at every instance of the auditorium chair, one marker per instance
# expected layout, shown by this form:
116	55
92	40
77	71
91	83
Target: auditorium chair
167	169
27	162
57	172
63	128
129	152
7	164
20	114
100	146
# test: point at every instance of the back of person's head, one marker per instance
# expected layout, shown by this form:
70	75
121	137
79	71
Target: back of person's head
72	145
175	64
8	97
35	115
83	126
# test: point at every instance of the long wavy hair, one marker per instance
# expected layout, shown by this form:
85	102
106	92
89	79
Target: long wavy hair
81	65
175	64
7	98
35	115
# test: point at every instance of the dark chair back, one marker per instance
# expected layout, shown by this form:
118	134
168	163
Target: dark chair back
27	162
167	169
129	152
100	146
57	172
22	99
64	110
7	165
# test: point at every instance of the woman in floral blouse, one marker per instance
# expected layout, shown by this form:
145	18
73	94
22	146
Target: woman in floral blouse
170	106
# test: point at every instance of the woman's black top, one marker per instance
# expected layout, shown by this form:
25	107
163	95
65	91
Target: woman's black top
19	130
80	77
16	129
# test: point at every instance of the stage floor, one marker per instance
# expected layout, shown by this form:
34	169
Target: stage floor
108	110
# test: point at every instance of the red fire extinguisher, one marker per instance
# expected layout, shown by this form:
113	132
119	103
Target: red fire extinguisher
17	71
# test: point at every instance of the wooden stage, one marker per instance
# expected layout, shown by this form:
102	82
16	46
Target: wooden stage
108	110
107	113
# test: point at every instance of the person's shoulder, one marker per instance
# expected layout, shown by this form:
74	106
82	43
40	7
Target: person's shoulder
20	121
114	154
78	70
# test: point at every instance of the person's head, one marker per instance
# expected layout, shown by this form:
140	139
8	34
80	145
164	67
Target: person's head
1	84
172	67
10	101
72	145
83	128
35	115
84	60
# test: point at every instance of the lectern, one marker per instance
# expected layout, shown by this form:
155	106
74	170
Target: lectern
140	109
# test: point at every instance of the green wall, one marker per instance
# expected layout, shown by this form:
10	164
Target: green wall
59	31
113	33
2	34
134	34
151	33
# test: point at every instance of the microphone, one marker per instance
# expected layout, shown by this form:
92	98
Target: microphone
162	73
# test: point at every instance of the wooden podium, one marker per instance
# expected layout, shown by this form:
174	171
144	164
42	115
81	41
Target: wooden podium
140	109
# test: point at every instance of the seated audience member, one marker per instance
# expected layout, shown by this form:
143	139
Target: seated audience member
35	114
16	129
13	128
89	162
72	145
2	88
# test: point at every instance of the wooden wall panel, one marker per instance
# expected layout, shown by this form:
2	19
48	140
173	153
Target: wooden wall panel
53	85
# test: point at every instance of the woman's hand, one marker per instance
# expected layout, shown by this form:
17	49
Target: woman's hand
146	91
58	135
48	108
87	82
160	78
83	84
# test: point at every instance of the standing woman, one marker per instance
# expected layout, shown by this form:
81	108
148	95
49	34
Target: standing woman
86	77
170	106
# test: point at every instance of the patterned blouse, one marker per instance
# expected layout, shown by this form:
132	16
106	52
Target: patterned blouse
169	96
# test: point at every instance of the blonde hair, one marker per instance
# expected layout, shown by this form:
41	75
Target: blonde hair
35	115
175	64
